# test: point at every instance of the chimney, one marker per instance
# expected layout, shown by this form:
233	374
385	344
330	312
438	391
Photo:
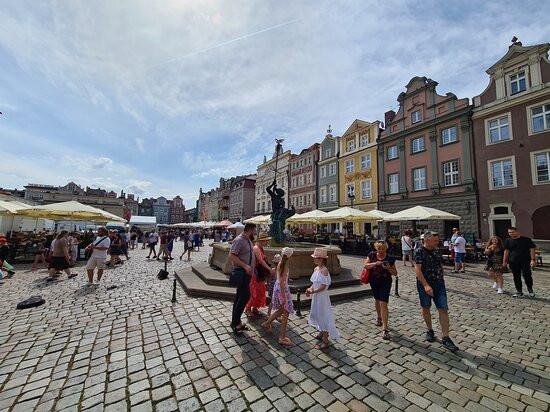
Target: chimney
388	117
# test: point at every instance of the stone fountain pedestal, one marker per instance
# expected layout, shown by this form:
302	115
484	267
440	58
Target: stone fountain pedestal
301	263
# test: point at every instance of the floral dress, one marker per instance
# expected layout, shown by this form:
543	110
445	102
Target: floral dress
257	288
279	296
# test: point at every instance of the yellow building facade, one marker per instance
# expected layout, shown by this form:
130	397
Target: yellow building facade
357	167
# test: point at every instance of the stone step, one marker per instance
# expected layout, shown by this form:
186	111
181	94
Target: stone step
194	285
213	276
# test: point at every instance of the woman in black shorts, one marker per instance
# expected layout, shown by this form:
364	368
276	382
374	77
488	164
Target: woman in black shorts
382	268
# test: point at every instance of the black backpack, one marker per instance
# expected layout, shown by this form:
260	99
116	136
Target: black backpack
31	302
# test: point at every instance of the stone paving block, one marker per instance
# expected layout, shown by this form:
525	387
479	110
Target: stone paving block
190	404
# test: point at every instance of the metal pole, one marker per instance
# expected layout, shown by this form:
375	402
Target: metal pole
397	286
298	304
174	300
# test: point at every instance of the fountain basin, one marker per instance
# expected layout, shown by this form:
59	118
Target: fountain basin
301	264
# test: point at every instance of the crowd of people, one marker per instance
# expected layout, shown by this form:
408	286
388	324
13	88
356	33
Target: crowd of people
256	279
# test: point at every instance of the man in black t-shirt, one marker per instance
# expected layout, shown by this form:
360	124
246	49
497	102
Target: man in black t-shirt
519	253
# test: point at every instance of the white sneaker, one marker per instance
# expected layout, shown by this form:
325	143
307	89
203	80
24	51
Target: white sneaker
500	291
495	285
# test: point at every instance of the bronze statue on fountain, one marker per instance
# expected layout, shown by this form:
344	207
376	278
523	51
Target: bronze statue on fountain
280	214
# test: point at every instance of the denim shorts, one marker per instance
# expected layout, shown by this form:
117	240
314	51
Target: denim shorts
439	297
459	257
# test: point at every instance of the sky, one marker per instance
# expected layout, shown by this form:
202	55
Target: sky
163	98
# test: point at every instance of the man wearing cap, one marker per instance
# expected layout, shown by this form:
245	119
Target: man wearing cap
241	256
431	286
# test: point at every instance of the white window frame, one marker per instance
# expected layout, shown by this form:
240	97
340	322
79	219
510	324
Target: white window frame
530	117
350	144
332	191
488	128
452	173
396	152
443	142
350	189
367	189
308	178
364	139
323	194
418	139
309	199
366	161
490	173
422	180
533	156
332	169
517	80
418	117
323	171
395	184
350	166
328	153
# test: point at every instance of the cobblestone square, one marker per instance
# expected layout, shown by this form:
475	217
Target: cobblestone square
131	348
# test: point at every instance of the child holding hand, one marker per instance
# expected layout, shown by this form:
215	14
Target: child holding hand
282	299
271	284
321	316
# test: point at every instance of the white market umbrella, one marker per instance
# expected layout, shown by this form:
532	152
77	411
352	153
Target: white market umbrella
313	216
259	220
378	214
8	208
71	210
421	213
346	214
237	225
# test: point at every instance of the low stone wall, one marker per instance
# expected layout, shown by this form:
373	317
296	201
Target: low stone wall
301	264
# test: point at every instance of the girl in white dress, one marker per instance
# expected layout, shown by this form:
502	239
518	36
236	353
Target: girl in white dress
320	315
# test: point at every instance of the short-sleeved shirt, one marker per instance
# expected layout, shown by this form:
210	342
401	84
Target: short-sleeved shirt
519	249
163	239
379	271
406	243
461	247
242	248
431	265
106	243
153	238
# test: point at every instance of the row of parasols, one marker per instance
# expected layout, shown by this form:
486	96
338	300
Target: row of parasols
349	214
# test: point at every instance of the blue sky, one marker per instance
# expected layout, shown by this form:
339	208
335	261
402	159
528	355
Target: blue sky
161	98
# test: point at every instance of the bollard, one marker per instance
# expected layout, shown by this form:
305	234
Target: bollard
397	286
165	265
298	304
174	300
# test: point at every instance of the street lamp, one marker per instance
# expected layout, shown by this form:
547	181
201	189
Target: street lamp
351	198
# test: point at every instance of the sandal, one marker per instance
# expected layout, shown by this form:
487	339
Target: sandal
378	322
321	346
236	331
385	335
319	336
242	326
267	327
72	275
286	342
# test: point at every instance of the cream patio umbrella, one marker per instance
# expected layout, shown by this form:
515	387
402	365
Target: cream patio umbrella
347	214
312	217
259	220
378	214
70	210
8	208
421	213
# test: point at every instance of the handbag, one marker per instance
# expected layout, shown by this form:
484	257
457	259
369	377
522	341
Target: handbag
365	275
237	276
262	273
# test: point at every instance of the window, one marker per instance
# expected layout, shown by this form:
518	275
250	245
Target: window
323	195
301	178
351	145
451	174
419	179
540	116
417	145
332	193
293	182
542	167
332	169
350	166
448	135
393	183
308	178
365	161
502	173
350	190
366	190
499	130
309	199
323	171
416	117
364	139
517	82
328	153
392	152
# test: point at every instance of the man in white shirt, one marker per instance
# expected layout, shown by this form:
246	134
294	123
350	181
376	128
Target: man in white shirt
153	239
459	246
97	259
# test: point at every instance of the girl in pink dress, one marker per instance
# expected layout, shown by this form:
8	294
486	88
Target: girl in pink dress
282	299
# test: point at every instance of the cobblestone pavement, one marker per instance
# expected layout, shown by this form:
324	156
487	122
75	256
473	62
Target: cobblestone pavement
95	349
